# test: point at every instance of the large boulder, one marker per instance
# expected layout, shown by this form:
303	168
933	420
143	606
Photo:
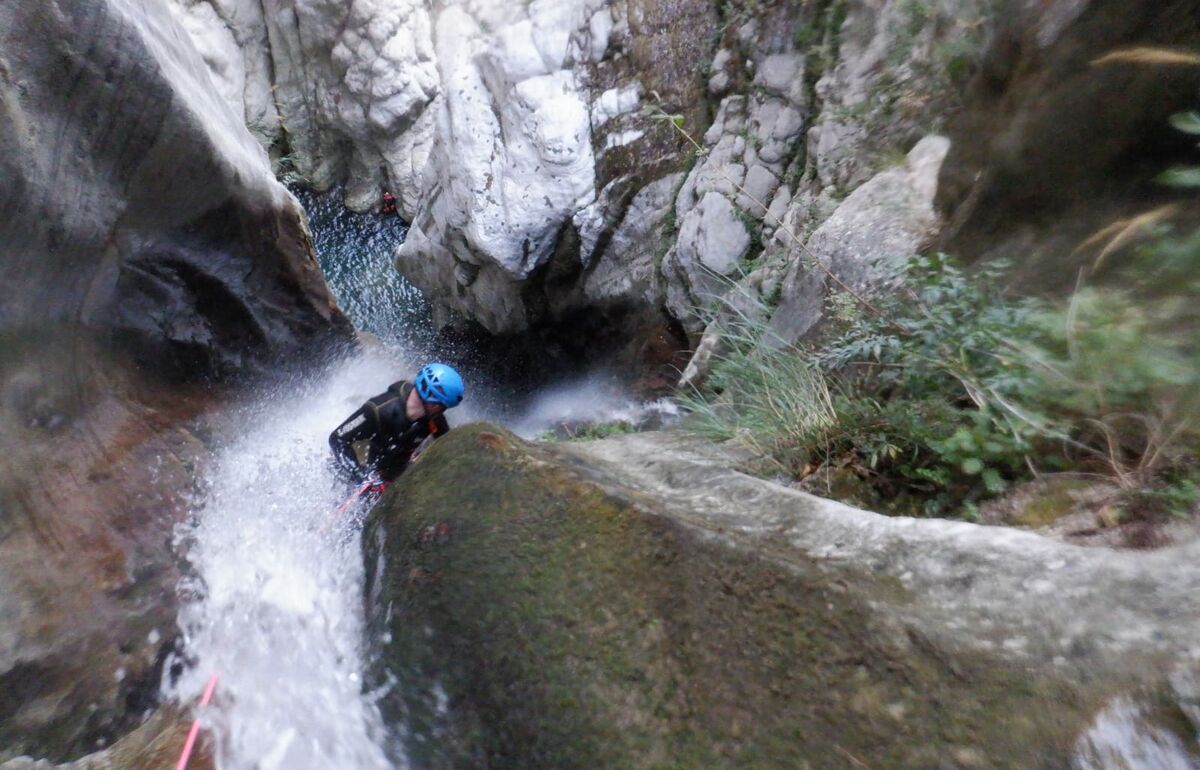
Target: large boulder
149	257
634	603
868	236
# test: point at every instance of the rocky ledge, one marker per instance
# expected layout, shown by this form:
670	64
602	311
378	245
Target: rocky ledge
634	603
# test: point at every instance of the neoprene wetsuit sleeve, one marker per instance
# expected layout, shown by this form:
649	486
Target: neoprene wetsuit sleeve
357	427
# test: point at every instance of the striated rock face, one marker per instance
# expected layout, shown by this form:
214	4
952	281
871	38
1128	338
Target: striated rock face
339	89
513	136
512	161
149	254
634	603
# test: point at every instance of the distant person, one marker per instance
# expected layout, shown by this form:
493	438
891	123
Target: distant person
389	203
379	439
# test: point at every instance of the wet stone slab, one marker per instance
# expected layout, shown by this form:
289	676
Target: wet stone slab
634	603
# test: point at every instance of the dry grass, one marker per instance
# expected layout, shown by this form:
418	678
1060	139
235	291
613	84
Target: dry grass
1122	232
1145	55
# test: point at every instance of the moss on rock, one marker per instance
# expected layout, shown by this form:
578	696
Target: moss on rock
536	618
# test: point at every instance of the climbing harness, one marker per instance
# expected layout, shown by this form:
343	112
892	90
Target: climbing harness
193	733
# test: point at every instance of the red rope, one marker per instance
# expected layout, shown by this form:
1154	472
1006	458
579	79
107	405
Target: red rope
195	731
374	485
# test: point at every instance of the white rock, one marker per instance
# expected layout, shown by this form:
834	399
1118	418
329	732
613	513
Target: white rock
712	241
511	160
626	268
600	28
614	102
884	221
760	186
782	75
720	79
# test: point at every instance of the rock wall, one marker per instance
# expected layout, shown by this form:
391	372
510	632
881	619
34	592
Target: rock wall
1058	145
634	603
150	259
155	744
538	149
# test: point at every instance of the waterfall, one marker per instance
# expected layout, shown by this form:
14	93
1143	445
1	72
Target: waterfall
273	604
276	607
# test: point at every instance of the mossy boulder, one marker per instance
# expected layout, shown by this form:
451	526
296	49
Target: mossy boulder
532	615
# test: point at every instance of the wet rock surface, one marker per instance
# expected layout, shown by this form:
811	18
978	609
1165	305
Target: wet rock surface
632	602
149	256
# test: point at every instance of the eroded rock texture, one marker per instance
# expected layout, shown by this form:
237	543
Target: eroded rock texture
635	603
540	148
148	254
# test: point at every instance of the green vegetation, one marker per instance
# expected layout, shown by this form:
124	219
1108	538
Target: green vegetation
587	431
951	392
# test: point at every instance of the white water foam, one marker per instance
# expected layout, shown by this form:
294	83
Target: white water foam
278	612
1123	737
590	399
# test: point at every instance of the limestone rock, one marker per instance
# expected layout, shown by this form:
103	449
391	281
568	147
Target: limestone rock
626	270
899	72
511	164
720	79
881	223
343	88
527	599
712	242
494	125
723	204
149	255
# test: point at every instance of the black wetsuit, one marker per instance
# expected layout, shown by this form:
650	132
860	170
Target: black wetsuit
390	437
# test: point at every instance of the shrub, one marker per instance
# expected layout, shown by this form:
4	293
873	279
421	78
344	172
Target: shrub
952	391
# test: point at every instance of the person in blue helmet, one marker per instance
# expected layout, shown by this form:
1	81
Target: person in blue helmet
379	439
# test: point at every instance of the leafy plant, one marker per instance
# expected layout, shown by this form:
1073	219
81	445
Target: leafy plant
954	391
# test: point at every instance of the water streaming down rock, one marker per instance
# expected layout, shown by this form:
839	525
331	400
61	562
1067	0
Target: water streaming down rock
277	583
1125	736
592	403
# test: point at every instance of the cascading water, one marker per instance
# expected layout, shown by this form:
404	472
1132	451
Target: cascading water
276	589
277	613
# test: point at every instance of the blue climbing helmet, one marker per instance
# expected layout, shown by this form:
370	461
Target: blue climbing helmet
439	384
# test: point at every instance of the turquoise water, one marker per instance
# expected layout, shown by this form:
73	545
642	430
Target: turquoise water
356	253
